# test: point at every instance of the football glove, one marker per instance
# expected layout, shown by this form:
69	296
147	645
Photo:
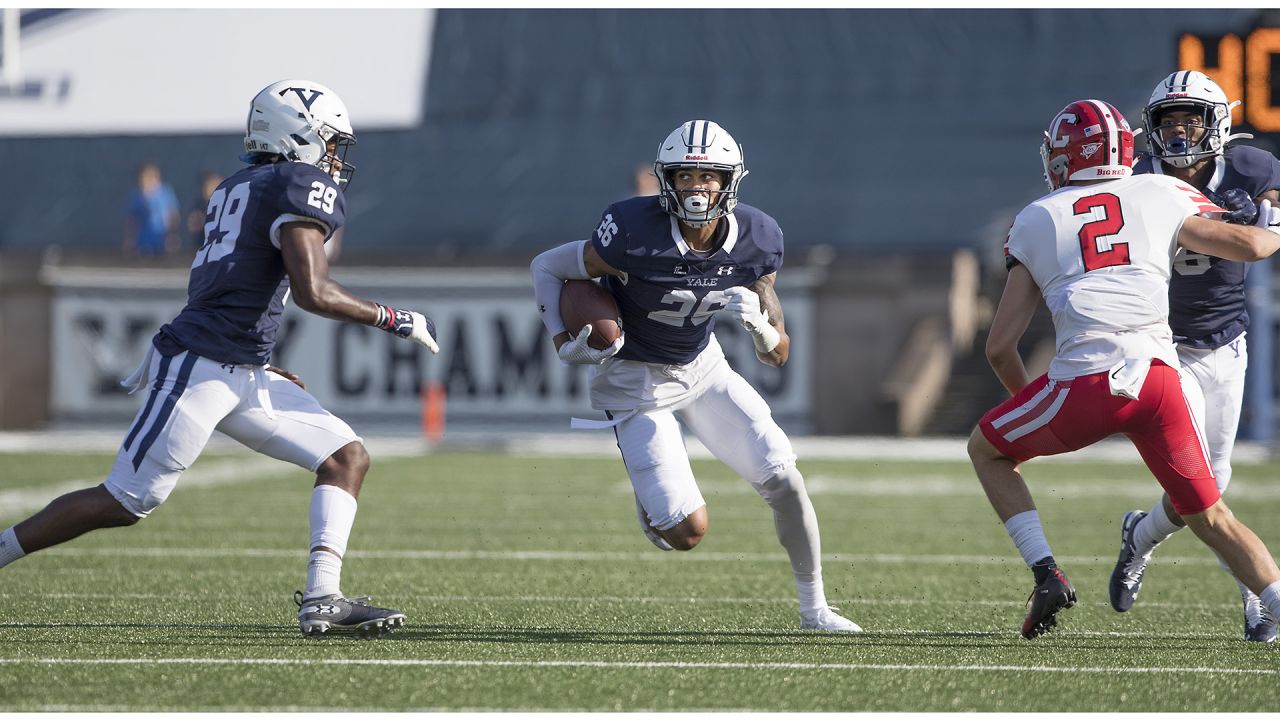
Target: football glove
744	303
1239	206
1268	217
409	325
576	351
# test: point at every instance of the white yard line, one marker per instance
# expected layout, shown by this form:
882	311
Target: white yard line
939	485
599	556
228	472
647	665
603	445
623	599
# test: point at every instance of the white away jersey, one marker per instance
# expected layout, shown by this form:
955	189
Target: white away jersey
1101	255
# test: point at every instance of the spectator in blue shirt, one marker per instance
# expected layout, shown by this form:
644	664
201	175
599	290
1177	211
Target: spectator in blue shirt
151	227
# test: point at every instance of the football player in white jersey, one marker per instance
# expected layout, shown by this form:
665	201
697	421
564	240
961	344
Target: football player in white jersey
672	262
1099	249
1188	126
207	368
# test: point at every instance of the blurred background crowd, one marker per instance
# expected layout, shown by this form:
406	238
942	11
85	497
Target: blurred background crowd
893	147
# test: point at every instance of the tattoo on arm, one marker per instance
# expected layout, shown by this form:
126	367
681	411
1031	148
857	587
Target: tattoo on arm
769	301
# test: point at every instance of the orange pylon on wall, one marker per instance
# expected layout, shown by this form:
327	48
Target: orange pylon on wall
433	411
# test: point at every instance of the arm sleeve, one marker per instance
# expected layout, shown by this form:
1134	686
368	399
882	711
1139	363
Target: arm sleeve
550	270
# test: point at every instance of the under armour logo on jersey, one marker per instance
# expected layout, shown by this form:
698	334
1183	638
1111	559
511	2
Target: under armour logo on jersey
726	269
306	101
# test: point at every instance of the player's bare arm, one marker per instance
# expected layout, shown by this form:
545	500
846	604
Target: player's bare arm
1244	243
302	246
1017	306
771	306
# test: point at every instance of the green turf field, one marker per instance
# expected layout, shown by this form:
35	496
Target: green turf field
529	587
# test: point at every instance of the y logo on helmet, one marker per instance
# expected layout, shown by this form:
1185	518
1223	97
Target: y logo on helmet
1089	150
1061	141
608	228
302	96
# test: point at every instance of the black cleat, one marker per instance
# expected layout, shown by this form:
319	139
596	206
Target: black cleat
1126	578
1054	594
1259	626
318	616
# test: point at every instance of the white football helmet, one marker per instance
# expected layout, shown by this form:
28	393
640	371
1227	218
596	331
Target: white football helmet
1192	91
699	144
298	119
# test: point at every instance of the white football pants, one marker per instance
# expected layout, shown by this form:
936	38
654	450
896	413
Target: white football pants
728	416
190	397
1220	375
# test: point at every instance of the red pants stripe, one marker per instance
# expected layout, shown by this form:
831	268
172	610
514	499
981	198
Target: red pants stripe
1050	417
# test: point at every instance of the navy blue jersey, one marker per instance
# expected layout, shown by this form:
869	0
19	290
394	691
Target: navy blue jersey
671	293
1206	294
238	281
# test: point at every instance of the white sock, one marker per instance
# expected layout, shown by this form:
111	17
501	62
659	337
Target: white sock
1028	535
10	550
813	596
1271	598
797	527
324	575
1153	529
333	512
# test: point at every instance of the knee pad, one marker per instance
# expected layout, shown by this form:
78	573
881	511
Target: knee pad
785	486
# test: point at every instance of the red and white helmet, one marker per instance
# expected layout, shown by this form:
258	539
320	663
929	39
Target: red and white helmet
1087	140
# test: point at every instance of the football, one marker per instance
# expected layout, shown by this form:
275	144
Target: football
584	302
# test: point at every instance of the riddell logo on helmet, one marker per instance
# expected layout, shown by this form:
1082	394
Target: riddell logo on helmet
697	157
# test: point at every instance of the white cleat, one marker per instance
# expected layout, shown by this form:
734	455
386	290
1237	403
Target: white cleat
826	619
648	529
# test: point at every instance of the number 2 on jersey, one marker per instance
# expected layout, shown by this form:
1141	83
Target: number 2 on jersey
1096	251
687	303
226	209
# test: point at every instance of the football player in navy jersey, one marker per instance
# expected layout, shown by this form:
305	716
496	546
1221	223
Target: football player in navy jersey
673	262
207	369
1188	125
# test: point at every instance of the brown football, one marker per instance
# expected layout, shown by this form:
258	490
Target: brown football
584	302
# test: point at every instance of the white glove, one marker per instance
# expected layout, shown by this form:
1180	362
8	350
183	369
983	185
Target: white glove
745	304
576	351
1268	217
423	332
409	325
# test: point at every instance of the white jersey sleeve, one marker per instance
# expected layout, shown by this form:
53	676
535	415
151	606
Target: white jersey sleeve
1101	255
